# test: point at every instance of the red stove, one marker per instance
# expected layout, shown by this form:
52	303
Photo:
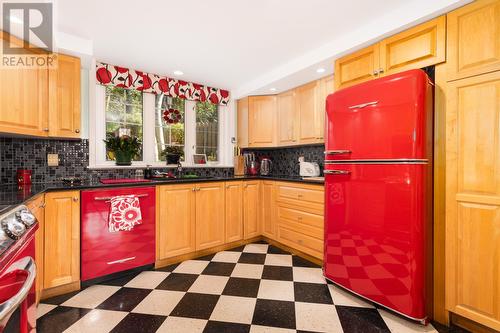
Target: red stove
17	271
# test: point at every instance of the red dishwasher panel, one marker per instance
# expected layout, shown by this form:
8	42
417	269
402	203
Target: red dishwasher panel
105	252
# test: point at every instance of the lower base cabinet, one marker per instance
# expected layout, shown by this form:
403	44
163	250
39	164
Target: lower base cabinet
234	212
268	219
251	209
209	215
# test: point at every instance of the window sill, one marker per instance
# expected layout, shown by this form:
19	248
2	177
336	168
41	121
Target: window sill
154	166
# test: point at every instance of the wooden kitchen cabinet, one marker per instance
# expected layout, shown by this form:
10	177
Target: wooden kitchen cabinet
309	112
473	39
287	119
37	208
242	122
473	196
357	67
268	209
251	209
175	220
234	212
62	239
262	121
210	204
64	98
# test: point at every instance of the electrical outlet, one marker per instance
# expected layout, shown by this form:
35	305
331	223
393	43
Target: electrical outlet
52	159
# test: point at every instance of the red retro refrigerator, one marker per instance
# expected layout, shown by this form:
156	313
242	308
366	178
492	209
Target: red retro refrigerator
378	188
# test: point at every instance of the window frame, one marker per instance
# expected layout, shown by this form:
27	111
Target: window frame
97	133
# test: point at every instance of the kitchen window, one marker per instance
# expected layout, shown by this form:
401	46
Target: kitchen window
160	121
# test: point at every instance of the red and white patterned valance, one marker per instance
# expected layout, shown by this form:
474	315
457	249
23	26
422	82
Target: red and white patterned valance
156	84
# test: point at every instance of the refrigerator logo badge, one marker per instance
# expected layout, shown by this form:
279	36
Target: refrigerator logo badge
337	194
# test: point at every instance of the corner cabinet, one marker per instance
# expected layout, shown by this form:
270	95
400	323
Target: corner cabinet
261	121
234	212
268	209
251	209
62	239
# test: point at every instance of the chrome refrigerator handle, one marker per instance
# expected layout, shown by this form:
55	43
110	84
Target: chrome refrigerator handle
336	172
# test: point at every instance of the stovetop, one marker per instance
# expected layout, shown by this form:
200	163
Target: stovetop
14	224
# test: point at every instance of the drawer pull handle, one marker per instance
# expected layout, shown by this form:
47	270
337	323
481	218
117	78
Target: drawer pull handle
363	105
337	152
120	261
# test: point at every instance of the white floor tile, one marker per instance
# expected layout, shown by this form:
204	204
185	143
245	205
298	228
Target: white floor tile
342	297
42	309
256	248
279	260
249	271
276	290
147	280
182	325
234	309
400	325
308	274
191	267
97	321
209	284
317	317
159	302
227	256
91	297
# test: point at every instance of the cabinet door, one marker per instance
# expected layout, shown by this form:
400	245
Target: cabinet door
64	98
287	119
357	67
327	87
234	211
473	39
473	198
62	238
242	134
420	46
23	99
37	208
268	209
251	209
209	215
262	121
308	108
175	220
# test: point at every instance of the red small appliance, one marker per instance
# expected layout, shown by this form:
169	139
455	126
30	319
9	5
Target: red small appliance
378	192
104	252
23	177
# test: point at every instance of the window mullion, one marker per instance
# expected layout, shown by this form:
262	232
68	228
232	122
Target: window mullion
148	130
190	127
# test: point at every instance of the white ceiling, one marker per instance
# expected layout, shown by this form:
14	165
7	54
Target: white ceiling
246	46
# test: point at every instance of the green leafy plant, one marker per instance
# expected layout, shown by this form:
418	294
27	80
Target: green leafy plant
124	148
173	154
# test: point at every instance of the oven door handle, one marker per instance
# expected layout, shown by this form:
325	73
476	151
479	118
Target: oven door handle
10	305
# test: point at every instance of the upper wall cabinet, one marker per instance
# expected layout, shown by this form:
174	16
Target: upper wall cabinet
261	121
473	39
41	102
64	98
287	118
420	46
242	115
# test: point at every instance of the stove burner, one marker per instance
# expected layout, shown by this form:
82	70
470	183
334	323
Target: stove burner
26	217
13	228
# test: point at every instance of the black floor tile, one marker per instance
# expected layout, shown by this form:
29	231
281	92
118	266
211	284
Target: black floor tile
125	299
121	281
276	250
361	320
252	258
194	305
168	268
301	262
177	282
138	322
57	300
242	287
223	327
277	273
452	329
312	293
208	257
219	268
274	313
59	319
237	249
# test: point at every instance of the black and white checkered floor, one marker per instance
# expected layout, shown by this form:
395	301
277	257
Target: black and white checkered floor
252	288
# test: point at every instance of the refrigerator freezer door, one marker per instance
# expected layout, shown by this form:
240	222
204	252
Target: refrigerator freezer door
387	118
376	231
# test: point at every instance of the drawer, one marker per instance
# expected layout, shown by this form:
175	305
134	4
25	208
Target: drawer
300	195
302	242
301	217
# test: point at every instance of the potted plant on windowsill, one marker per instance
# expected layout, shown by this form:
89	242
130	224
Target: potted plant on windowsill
123	148
173	154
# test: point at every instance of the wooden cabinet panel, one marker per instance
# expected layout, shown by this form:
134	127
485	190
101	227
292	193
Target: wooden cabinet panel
37	208
62	238
311	196
296	238
262	121
473	198
234	211
473	41
287	119
302	217
64	98
357	67
251	209
242	120
417	47
308	108
175	220
209	215
268	201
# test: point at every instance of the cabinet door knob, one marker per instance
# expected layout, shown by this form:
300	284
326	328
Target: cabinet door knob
380	70
193	189
75	199
77	131
46	129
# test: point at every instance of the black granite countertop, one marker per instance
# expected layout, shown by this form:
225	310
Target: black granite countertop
11	195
